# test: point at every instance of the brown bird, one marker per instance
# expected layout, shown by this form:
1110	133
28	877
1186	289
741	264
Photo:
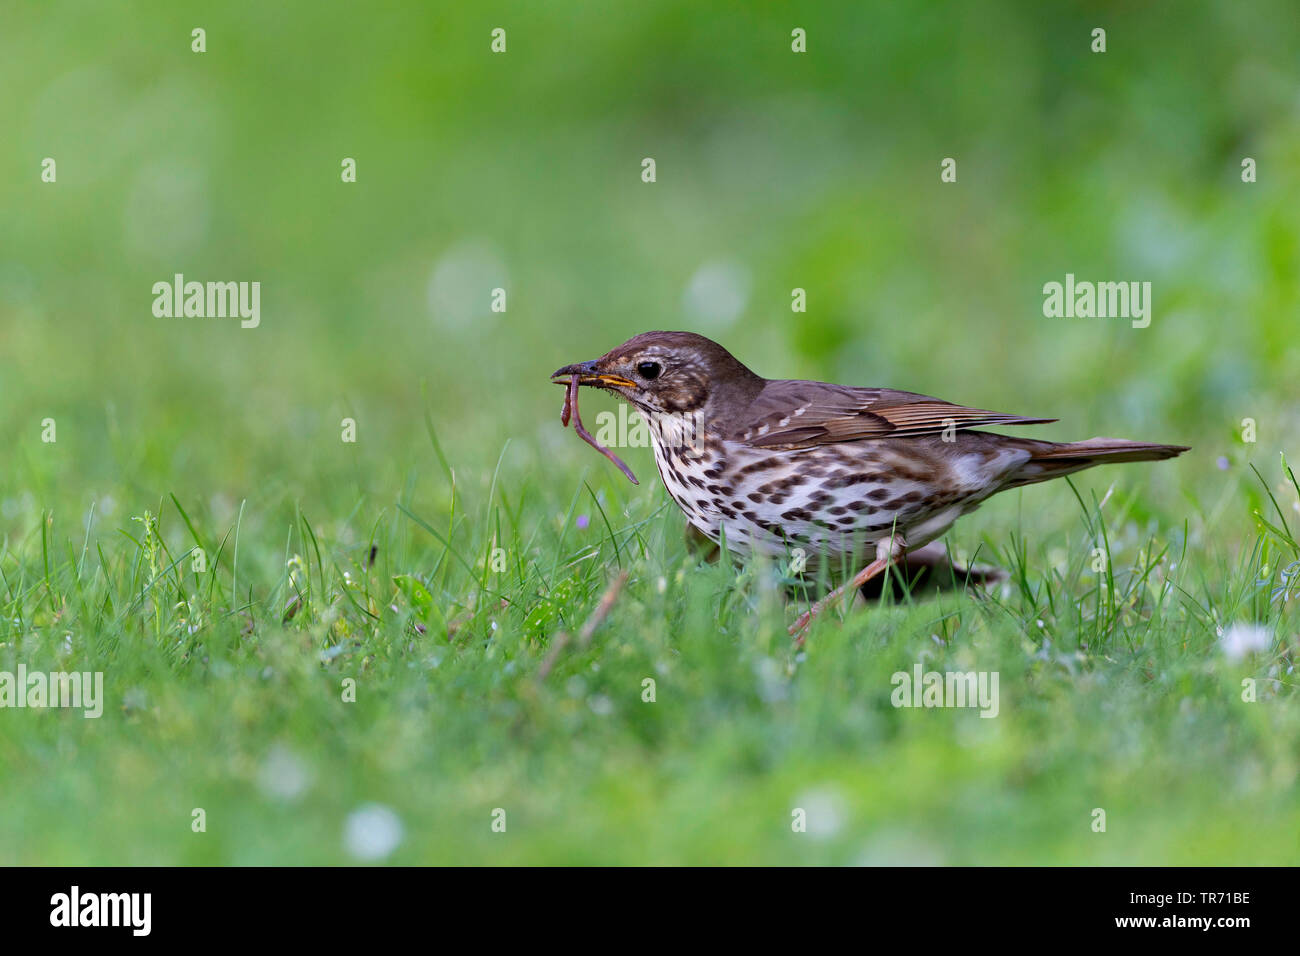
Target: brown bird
864	474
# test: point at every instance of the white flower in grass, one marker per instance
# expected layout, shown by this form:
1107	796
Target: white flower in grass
826	811
284	774
372	832
900	848
1242	639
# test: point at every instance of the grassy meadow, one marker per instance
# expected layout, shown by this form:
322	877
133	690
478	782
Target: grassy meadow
375	650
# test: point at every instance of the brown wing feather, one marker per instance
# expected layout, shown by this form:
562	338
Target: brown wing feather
796	414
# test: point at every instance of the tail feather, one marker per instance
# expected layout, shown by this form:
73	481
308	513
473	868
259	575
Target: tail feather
1055	460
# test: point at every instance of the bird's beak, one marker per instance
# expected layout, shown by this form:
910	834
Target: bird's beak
587	375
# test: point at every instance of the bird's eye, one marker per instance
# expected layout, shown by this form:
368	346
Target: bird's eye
648	370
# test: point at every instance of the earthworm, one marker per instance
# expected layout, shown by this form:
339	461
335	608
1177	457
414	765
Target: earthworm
571	409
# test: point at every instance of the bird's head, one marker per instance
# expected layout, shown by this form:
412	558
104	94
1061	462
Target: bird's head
668	373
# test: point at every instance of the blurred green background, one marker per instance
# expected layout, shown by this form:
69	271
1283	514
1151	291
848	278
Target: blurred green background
522	170
775	170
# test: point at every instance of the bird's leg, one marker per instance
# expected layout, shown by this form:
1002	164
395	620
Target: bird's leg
888	551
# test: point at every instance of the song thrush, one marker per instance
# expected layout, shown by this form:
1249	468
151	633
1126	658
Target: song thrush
766	465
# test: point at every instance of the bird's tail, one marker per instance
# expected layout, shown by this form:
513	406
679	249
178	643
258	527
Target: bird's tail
1057	459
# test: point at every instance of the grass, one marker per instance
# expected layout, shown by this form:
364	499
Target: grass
227	682
451	561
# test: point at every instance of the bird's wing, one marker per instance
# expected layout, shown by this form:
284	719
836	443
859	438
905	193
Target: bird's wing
796	414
